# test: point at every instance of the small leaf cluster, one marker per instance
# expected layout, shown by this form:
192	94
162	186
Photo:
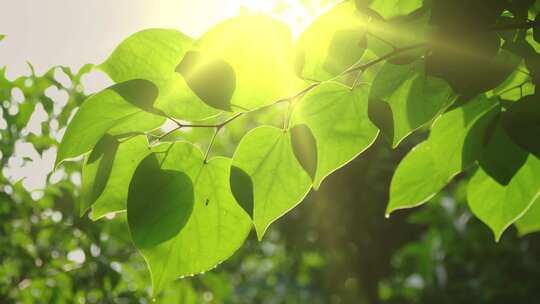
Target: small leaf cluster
465	71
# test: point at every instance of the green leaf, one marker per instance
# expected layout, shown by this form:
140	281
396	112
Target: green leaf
385	36
305	148
499	206
333	42
160	203
25	112
154	55
499	157
2	37
109	112
265	160
212	79
182	214
259	50
393	8
484	66
450	148
530	221
412	99
338	118
516	86
106	174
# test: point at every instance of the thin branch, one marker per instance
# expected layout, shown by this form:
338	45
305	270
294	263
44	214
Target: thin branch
211	145
395	52
229	120
169	133
299	94
217	128
354	68
239	107
219	125
393	46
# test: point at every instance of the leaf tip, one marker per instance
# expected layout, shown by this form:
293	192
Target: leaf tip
389	210
260	234
260	230
497	233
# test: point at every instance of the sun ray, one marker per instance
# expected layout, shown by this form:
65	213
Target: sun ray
298	14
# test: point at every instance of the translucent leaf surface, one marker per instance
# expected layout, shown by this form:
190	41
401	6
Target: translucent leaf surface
412	99
338	119
266	172
182	214
530	221
110	111
106	174
333	42
498	206
153	55
259	50
450	148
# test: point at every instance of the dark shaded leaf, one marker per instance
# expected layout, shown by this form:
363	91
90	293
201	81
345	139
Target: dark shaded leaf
159	204
522	123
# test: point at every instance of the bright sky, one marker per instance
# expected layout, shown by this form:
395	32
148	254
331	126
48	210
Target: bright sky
75	32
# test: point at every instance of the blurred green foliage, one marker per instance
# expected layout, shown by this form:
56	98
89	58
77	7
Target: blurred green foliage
438	254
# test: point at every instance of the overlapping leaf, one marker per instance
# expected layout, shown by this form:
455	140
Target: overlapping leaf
182	214
266	178
403	98
338	118
115	111
259	51
516	86
153	55
407	36
499	157
522	124
332	43
451	147
501	205
107	172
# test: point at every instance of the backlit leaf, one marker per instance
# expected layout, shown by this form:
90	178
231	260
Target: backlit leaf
184	218
498	206
108	112
107	172
153	55
213	80
259	50
412	97
449	149
332	43
530	221
338	118
265	160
